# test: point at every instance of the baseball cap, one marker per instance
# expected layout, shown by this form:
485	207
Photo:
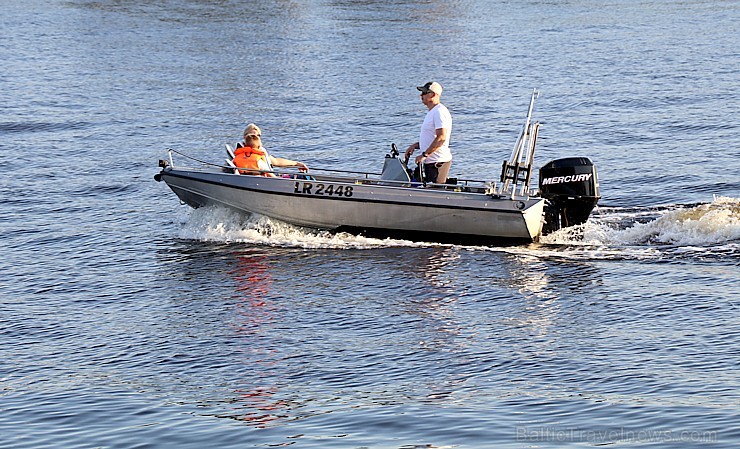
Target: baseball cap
431	86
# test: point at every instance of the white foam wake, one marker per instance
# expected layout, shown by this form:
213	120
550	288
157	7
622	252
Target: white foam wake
611	233
704	224
218	224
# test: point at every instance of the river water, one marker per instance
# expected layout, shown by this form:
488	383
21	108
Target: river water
129	321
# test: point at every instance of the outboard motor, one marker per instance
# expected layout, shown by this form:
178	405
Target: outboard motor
571	188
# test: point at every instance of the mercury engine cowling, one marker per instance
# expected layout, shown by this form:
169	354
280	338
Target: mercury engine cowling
571	187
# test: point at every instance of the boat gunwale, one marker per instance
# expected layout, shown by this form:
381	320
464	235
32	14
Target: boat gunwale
226	170
181	173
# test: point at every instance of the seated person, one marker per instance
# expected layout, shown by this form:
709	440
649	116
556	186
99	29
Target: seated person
254	157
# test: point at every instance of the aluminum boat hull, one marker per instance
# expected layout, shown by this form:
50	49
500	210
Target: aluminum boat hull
368	206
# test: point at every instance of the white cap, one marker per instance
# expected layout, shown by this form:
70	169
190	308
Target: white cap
431	86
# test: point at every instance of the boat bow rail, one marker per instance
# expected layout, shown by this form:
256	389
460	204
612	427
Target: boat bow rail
338	175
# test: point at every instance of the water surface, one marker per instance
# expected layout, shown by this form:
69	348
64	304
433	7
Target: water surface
128	320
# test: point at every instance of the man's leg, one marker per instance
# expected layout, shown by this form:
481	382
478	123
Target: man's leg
442	172
430	173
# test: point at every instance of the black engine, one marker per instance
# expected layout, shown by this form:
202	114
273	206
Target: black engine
571	186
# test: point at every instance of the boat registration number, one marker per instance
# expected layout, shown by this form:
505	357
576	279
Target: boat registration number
310	188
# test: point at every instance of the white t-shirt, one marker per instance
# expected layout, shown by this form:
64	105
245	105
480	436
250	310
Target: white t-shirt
438	117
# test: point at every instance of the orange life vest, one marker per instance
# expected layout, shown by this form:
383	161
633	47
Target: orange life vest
253	159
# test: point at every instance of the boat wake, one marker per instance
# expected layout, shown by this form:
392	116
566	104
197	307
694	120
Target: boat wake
697	224
706	230
218	224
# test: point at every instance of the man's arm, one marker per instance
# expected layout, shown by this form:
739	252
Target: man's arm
440	135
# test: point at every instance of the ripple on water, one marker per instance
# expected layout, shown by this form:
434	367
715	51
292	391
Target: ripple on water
43	127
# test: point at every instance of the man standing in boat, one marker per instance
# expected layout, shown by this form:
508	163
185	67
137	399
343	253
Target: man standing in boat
434	138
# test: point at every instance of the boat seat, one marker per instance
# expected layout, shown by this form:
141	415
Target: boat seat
232	168
230	151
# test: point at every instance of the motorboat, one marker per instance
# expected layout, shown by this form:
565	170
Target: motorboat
394	203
